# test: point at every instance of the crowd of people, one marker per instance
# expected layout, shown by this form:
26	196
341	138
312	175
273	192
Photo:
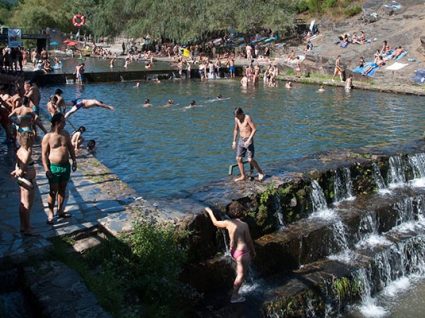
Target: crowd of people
20	119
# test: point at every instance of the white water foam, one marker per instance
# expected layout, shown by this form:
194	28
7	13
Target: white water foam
247	288
326	214
418	183
384	191
372	240
369	308
397	286
347	257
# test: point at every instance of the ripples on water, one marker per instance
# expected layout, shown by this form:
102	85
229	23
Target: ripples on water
163	151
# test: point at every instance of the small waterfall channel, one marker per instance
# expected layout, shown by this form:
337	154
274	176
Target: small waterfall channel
343	185
397	258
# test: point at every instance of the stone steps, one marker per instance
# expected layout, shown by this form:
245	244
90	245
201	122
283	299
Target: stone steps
314	288
309	240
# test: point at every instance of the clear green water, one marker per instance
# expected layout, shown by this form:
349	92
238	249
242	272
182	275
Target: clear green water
162	152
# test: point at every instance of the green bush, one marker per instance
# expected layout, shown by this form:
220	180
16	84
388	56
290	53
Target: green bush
352	11
314	5
329	3
148	263
301	6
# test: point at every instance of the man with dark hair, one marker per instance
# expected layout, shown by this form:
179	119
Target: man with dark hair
56	148
60	101
246	129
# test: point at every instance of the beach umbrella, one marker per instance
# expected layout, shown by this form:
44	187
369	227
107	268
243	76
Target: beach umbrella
71	43
54	43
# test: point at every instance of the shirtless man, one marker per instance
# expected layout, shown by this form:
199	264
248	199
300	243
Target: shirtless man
60	101
56	148
147	103
246	129
79	73
244	81
241	248
338	68
33	93
86	103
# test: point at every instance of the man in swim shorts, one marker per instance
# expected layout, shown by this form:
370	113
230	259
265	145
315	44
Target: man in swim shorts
56	148
241	248
85	103
33	93
245	127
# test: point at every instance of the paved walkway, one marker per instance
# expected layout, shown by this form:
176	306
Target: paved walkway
91	195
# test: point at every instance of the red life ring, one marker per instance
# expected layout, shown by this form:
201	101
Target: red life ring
78	20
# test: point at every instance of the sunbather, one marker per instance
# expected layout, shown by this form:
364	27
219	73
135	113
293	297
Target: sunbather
385	48
397	52
355	39
362	62
379	63
362	37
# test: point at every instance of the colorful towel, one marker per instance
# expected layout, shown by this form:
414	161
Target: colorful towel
361	70
401	55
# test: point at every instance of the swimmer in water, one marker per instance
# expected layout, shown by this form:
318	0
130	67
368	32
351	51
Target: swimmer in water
289	85
137	85
170	103
321	89
147	103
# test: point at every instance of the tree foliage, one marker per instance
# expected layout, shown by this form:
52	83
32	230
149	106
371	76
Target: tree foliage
178	20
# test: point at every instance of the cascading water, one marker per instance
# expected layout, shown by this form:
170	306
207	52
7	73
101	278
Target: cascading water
343	185
368	235
379	180
279	212
396	176
226	246
320	206
417	162
405	211
317	197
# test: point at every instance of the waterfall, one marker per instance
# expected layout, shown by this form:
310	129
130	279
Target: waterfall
279	212
343	185
377	176
344	253
226	246
405	211
318	197
417	163
368	235
396	176
320	206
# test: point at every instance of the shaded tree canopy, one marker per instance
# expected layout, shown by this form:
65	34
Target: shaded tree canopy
178	20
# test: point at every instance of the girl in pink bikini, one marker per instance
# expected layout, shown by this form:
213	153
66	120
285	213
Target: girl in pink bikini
241	249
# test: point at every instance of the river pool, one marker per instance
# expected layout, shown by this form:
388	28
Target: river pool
163	152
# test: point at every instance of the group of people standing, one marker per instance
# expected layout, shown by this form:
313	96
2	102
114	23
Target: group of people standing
19	115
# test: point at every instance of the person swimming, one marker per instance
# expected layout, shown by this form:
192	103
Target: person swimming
147	103
321	89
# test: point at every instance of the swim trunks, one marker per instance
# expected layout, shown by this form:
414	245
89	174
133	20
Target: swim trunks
238	254
232	69
78	102
241	150
61	172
